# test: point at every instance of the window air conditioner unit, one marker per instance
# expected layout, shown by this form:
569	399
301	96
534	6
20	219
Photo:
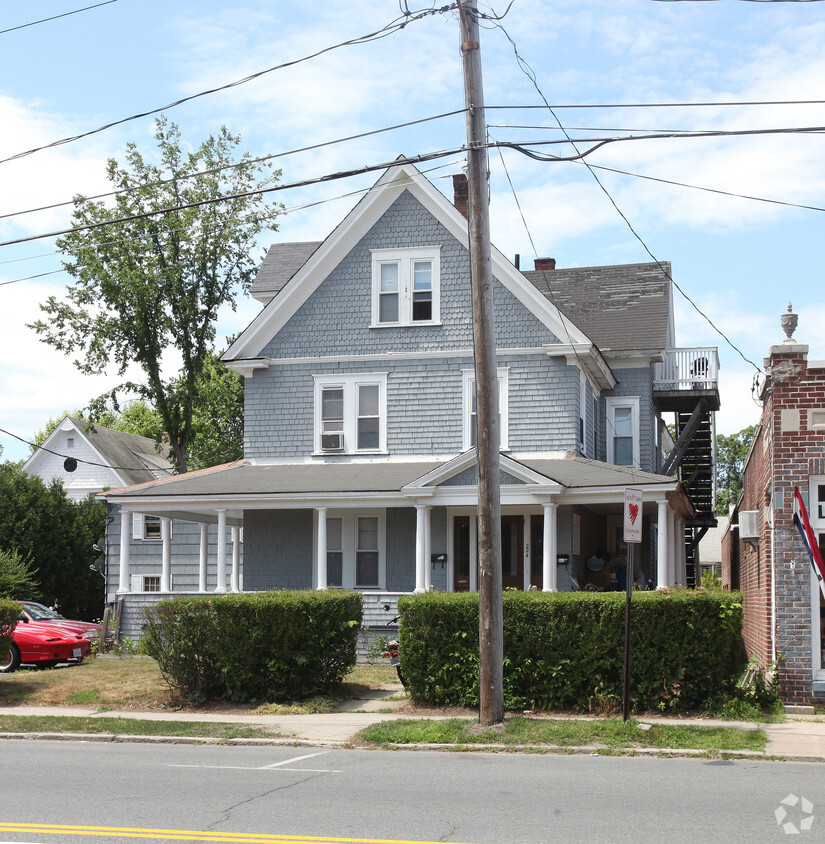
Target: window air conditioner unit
749	524
332	442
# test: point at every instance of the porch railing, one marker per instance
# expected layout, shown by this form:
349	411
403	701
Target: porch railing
687	369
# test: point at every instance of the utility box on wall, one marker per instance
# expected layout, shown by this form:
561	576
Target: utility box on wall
749	524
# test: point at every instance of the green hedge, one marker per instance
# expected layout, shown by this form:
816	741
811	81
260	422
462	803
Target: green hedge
566	650
272	646
9	615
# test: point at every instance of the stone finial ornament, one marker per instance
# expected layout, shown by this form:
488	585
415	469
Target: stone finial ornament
789	321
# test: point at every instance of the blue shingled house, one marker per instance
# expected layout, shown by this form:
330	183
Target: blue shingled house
359	466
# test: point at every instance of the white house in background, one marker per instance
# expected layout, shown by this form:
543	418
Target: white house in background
88	458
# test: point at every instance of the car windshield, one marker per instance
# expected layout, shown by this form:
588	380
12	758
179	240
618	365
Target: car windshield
40	613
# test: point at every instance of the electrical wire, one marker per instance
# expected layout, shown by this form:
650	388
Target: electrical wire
528	71
390	29
55	17
58	454
260	160
283	211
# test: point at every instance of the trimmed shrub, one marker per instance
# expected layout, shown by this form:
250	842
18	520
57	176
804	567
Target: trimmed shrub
9	616
272	646
565	650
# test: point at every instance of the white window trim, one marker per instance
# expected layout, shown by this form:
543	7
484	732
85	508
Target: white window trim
349	539
349	384
405	258
468	381
139	528
611	404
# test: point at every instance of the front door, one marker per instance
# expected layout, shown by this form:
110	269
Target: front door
461	554
512	552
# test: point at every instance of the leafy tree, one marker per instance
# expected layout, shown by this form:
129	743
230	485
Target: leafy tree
17	578
41	525
148	279
731	453
217	420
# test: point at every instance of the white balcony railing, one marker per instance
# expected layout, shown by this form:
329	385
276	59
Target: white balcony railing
687	369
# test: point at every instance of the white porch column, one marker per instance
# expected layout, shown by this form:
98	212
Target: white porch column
236	559
662	545
220	585
321	558
671	547
125	534
428	566
166	554
549	569
204	556
420	548
681	555
526	570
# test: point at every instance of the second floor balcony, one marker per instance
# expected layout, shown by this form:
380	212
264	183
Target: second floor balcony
686	375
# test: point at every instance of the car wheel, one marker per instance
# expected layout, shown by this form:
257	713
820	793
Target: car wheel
11	661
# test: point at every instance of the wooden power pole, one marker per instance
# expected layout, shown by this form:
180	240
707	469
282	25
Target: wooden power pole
491	626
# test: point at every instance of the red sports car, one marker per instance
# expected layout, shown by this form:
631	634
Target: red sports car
38	644
44	615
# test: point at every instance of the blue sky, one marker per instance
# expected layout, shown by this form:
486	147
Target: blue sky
739	260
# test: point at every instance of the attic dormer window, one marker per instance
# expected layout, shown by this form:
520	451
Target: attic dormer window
405	286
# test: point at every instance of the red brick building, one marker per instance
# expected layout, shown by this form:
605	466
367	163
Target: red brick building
762	553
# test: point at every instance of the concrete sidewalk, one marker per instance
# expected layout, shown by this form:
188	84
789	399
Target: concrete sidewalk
799	738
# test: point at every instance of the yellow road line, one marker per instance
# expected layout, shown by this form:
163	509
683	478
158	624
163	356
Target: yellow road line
192	835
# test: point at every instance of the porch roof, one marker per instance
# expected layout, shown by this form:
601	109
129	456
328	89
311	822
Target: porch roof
244	480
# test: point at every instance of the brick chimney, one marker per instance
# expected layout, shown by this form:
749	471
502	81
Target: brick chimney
545	263
460	192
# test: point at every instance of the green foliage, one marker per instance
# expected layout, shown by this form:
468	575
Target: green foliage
9	613
17	578
731	453
566	650
753	694
55	535
265	647
156	279
711	580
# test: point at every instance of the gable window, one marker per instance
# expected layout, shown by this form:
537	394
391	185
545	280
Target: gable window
623	431
351	413
470	422
405	286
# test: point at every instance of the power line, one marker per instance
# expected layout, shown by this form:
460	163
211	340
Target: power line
55	17
530	74
726	103
237	164
344	174
390	29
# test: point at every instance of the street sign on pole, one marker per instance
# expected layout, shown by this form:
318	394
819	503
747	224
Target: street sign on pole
632	515
632	535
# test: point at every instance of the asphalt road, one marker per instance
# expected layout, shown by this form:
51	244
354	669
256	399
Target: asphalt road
290	794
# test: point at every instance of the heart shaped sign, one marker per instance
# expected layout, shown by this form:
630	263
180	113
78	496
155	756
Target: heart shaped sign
634	513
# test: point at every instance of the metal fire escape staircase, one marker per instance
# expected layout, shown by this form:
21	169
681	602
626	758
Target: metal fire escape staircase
688	388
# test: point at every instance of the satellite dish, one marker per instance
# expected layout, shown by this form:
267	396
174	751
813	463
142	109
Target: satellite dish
70	464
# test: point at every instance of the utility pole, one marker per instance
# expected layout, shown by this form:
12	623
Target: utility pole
491	623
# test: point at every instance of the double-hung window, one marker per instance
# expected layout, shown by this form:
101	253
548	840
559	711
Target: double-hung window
470	421
405	286
356	550
351	413
623	431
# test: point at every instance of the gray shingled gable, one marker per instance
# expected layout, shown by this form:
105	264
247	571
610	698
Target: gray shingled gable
281	262
621	308
127	454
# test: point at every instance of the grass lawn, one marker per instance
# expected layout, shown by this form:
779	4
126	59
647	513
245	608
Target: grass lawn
136	683
128	726
612	734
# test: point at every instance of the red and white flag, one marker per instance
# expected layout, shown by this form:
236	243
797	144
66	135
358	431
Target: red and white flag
809	539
